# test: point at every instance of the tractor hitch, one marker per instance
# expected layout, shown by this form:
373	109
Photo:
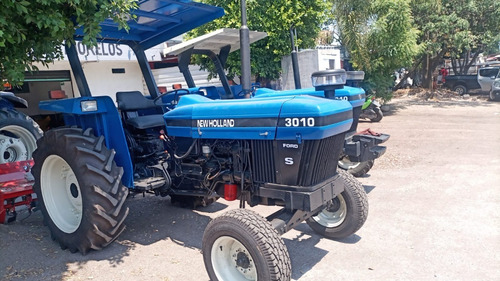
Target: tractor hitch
16	189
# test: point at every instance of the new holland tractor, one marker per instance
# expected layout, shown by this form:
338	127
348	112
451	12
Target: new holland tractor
276	151
360	148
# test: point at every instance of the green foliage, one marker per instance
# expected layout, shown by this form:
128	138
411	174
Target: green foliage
34	31
274	17
457	28
380	38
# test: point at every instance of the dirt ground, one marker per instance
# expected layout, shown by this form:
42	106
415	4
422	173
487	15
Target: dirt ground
434	199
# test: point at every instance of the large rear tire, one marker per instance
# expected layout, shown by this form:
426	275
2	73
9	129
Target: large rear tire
79	190
18	136
344	214
242	245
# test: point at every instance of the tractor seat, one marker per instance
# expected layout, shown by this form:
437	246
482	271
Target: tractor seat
131	103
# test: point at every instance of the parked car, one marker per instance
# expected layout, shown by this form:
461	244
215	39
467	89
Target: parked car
495	89
483	80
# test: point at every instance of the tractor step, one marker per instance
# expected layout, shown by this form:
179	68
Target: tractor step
146	184
16	188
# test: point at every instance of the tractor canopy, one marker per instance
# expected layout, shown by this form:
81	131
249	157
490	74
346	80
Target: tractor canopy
156	22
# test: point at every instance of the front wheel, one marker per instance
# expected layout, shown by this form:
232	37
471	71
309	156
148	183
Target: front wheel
357	169
344	214
79	190
493	96
240	245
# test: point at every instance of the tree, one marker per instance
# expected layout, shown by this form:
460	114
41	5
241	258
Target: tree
34	31
458	29
379	38
274	17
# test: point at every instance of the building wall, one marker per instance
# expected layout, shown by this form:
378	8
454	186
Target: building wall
166	77
101	80
309	61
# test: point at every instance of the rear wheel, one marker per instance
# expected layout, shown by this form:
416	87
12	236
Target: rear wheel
18	135
357	169
379	115
79	190
460	89
240	245
344	214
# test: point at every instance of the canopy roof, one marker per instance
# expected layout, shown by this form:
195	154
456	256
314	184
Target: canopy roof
214	41
158	21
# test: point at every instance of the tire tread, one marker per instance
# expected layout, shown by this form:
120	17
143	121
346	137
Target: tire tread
100	180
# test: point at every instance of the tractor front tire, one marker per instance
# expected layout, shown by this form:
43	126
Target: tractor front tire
79	190
357	169
18	136
242	245
344	214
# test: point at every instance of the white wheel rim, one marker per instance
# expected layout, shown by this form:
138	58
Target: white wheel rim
346	164
12	150
333	214
61	194
22	134
231	261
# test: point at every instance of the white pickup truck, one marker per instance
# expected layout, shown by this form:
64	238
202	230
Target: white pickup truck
495	89
464	83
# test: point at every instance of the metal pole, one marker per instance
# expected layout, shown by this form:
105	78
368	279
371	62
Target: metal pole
295	60
245	51
145	69
76	66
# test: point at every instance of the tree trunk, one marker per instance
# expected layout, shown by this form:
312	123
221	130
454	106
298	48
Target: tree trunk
429	66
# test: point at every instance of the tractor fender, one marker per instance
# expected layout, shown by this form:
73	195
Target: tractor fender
104	119
13	100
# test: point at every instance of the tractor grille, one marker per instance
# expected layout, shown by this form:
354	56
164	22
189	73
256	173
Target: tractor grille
318	161
263	166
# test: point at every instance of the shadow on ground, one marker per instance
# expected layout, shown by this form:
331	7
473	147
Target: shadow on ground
151	219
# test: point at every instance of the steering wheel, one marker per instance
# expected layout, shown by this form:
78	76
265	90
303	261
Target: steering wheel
173	98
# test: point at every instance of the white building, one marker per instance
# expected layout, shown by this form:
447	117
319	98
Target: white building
311	60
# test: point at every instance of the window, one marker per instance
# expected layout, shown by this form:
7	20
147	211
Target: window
331	64
488	72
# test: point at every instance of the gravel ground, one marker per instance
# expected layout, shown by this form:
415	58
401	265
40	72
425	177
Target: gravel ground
434	200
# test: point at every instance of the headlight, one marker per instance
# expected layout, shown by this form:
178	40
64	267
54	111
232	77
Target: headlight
88	105
335	77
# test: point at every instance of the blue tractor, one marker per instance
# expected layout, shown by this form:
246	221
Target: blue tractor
360	148
277	151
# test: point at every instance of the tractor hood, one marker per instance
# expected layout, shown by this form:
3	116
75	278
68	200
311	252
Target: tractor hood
267	118
356	96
